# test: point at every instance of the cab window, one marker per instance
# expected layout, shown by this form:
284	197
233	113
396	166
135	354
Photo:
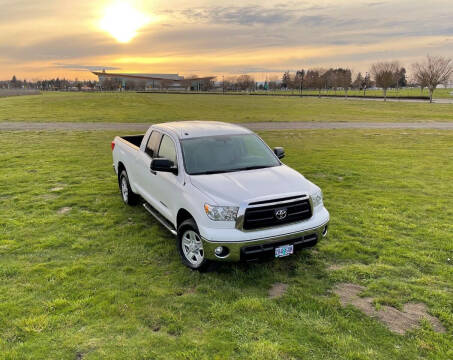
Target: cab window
153	143
167	149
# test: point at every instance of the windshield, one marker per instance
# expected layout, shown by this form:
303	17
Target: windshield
226	153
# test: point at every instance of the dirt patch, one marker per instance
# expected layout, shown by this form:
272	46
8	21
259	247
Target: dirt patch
335	267
396	320
57	188
48	197
64	210
277	290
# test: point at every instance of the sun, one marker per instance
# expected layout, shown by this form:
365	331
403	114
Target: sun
122	21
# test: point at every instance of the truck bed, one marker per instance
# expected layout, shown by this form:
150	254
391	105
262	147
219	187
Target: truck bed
133	139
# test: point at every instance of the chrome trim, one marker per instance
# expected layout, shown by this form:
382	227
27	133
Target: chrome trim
245	205
234	247
160	218
302	197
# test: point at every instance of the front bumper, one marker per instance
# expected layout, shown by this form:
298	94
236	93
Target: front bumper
251	249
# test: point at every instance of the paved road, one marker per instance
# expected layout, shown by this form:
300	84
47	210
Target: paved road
389	99
50	126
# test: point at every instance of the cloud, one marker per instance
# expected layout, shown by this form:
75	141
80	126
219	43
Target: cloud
237	37
84	67
61	48
244	15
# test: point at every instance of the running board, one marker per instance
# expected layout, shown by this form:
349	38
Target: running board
160	218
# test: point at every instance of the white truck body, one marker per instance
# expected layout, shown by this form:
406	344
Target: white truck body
174	196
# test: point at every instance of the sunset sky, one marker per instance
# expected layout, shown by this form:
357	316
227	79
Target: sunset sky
49	38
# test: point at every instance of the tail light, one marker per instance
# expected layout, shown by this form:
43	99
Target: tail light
113	145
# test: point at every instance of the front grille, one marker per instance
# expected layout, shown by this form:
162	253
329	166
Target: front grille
267	251
258	217
273	200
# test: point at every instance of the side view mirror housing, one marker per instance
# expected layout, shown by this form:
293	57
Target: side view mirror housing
280	152
163	165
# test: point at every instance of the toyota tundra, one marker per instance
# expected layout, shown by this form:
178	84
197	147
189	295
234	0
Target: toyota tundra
220	190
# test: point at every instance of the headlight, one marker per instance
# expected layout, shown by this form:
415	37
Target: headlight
316	197
221	213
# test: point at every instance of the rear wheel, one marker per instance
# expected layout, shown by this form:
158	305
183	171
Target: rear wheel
190	246
129	197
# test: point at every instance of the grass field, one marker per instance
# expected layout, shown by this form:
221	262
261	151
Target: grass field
391	93
153	108
82	276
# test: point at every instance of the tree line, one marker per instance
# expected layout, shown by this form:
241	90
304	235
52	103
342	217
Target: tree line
50	84
427	74
433	71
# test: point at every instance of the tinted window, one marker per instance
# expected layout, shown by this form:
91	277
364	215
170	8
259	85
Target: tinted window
153	143
167	149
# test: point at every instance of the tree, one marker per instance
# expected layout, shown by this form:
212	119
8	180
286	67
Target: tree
321	80
435	70
315	79
358	82
311	78
286	80
367	83
229	83
14	82
344	79
385	74
299	79
245	82
401	80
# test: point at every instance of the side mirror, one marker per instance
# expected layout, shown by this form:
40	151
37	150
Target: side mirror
280	152
163	165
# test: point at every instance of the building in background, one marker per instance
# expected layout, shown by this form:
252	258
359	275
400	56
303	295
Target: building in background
114	81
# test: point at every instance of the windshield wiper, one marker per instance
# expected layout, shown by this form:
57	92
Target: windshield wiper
210	172
230	170
252	167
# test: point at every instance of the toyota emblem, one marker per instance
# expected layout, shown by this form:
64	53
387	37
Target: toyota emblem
280	214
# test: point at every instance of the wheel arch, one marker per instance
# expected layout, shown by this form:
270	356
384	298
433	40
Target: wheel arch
182	216
121	167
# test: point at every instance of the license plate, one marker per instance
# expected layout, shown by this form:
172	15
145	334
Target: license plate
284	250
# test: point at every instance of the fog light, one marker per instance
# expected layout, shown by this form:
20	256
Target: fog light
324	231
222	252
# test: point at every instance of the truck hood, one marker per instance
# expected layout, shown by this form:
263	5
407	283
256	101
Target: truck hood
261	184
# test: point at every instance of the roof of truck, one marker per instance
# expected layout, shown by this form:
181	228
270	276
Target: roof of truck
193	129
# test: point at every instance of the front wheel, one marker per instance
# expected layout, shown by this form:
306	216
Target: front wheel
190	246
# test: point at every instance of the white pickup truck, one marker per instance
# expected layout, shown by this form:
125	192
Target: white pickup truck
221	190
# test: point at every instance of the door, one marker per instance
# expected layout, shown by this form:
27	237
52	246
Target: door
167	186
145	178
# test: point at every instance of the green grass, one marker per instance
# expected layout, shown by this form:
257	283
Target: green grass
104	280
153	108
391	93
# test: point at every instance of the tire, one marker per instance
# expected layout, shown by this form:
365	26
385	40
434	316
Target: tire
128	196
190	246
